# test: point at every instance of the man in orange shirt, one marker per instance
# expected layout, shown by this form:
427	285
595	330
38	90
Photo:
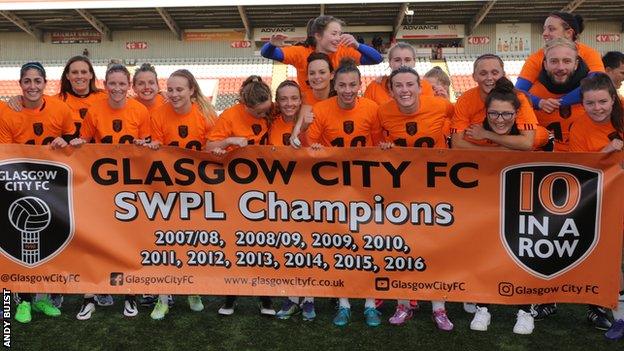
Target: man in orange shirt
562	73
558	25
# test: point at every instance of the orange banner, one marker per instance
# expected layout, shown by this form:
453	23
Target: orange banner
498	227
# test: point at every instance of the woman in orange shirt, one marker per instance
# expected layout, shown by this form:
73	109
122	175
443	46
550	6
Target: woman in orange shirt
602	128
346	120
502	108
245	123
414	120
115	120
324	34
401	54
184	121
470	110
558	25
41	121
145	86
288	101
320	80
78	89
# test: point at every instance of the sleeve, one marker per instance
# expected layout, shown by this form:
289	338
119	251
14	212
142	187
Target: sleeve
526	119
525	85
375	127
532	66
571	98
315	130
369	56
272	52
575	141
221	130
294	55
593	60
426	88
87	131
68	127
6	136
369	93
461	118
156	128
144	125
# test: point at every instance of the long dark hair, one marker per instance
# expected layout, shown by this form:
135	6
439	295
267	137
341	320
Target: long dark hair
315	56
66	84
601	81
317	26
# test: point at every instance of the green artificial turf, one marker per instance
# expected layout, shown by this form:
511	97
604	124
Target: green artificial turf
183	329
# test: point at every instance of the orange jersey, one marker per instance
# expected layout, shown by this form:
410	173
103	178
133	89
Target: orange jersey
107	125
158	102
558	122
36	126
236	122
3	105
189	131
334	126
470	109
589	136
298	56
379	92
425	128
280	131
309	98
533	64
80	105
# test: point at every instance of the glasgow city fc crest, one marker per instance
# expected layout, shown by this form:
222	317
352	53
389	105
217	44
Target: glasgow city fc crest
38	128
348	127
256	129
36	211
411	128
183	131
117	125
550	216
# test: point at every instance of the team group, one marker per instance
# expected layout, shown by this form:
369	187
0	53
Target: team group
565	99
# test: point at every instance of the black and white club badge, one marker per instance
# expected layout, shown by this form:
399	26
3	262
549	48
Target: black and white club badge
36	211
550	216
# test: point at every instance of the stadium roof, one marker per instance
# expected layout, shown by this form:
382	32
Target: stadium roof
110	17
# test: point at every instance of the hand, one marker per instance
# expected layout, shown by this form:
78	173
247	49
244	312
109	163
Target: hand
58	143
316	146
439	90
15	103
219	151
277	39
349	40
616	144
549	105
294	141
308	119
153	145
237	141
140	142
386	145
77	142
476	132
